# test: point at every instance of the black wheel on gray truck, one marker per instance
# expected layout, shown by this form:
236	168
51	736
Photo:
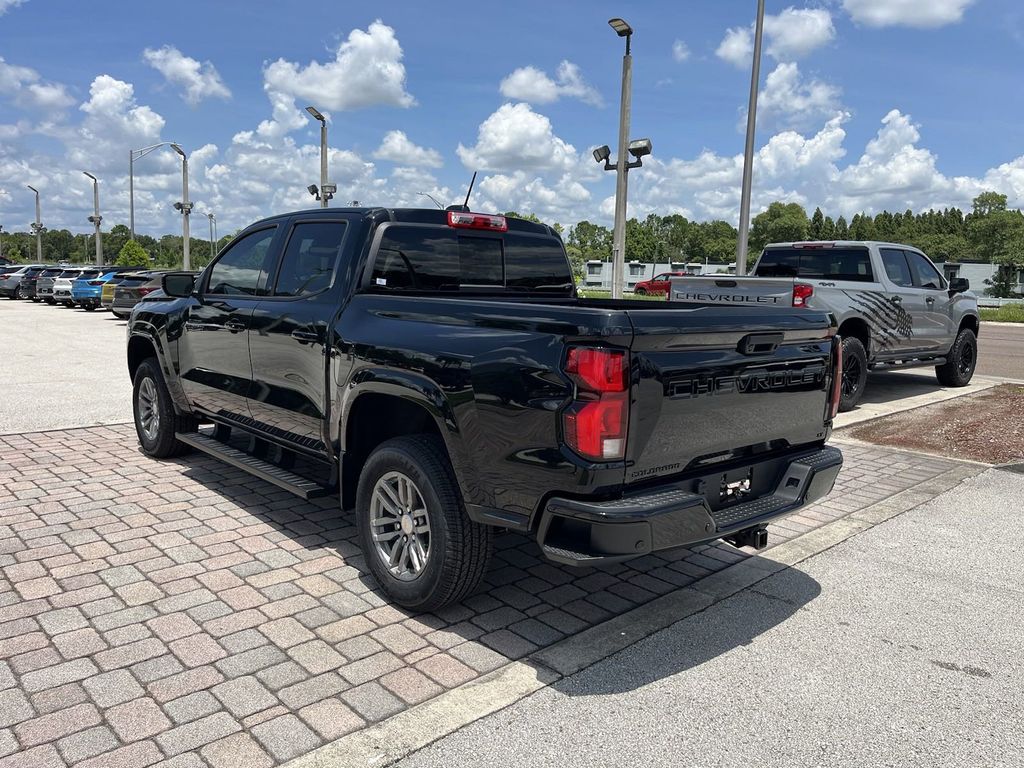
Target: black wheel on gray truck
156	421
960	362
855	373
418	541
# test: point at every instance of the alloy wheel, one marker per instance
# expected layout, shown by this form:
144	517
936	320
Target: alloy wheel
149	413
851	375
400	526
966	362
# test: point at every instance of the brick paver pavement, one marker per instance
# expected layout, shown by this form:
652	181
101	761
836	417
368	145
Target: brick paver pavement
182	613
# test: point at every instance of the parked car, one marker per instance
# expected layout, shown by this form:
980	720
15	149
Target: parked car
87	289
894	308
132	288
657	286
45	281
440	373
29	282
10	283
62	285
108	288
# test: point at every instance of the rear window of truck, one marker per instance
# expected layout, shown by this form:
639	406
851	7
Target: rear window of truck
853	264
425	258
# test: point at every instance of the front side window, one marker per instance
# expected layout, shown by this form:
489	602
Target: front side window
895	263
924	273
242	270
309	260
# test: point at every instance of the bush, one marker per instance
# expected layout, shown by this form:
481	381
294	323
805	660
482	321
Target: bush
1008	313
132	255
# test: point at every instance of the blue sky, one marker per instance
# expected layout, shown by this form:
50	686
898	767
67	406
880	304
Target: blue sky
866	104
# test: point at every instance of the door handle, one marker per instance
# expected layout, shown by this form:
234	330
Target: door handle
234	326
896	299
930	300
306	337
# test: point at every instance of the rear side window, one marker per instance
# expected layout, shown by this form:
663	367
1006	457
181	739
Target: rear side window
438	259
313	250
242	269
896	267
852	264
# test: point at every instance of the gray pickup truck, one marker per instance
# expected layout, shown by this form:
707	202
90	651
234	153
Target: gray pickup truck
894	308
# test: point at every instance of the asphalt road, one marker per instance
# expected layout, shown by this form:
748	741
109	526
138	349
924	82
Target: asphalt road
899	647
1001	350
61	368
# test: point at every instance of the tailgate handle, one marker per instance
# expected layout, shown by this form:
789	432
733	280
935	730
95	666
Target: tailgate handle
725	283
760	343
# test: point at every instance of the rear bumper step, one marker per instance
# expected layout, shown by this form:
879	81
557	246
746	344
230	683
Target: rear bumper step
264	470
576	532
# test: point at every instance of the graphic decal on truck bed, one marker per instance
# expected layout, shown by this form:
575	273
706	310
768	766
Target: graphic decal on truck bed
889	322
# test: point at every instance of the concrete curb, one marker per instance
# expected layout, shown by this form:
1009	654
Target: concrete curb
391	740
870	411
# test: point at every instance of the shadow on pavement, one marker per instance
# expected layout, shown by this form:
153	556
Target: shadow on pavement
888	386
696	639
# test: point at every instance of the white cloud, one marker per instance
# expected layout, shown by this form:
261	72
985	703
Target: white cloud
788	36
789	101
680	51
29	91
366	71
514	138
533	85
397	148
198	80
114	122
6	5
907	13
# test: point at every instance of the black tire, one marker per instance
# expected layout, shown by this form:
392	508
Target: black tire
89	307
640	292
36	300
855	373
17	292
960	362
157	440
458	549
49	301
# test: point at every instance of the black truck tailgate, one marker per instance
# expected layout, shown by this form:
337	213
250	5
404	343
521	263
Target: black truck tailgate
714	384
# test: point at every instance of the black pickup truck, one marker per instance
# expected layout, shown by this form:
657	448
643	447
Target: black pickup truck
437	371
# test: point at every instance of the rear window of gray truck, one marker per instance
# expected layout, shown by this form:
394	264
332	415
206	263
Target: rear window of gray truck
853	264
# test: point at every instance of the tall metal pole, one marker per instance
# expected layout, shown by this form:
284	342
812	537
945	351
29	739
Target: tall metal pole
210	217
96	218
323	163
37	225
185	209
1	241
748	147
622	177
131	192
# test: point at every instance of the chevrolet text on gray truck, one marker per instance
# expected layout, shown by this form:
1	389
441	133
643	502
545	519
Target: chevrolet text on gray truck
894	308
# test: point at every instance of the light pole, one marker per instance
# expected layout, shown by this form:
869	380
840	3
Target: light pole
748	147
37	227
185	207
95	219
133	155
212	218
324	194
622	29
1	241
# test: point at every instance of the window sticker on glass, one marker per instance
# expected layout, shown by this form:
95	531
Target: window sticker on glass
381	281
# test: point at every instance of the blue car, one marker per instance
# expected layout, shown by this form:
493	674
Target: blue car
87	290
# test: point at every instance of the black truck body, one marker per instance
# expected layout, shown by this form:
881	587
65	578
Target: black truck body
607	429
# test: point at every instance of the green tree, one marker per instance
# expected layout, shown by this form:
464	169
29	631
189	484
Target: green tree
781	223
828	229
593	240
987	203
842	230
816	231
132	255
13	252
114	240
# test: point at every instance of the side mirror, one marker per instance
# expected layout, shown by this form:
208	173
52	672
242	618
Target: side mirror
178	284
959	284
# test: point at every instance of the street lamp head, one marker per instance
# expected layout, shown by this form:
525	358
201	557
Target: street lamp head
640	148
602	153
177	207
177	148
316	114
32	188
313	189
622	29
90	176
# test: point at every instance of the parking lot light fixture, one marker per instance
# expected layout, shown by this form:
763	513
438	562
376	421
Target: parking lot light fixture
212	218
133	155
95	219
37	227
324	196
184	206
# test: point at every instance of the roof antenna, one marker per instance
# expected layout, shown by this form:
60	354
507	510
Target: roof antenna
465	206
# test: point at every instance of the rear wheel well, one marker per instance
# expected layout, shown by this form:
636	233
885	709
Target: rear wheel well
374	419
858	329
139	349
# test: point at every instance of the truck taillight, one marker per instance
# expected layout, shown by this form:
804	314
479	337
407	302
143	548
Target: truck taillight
837	377
595	424
801	293
95	282
143	290
462	220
